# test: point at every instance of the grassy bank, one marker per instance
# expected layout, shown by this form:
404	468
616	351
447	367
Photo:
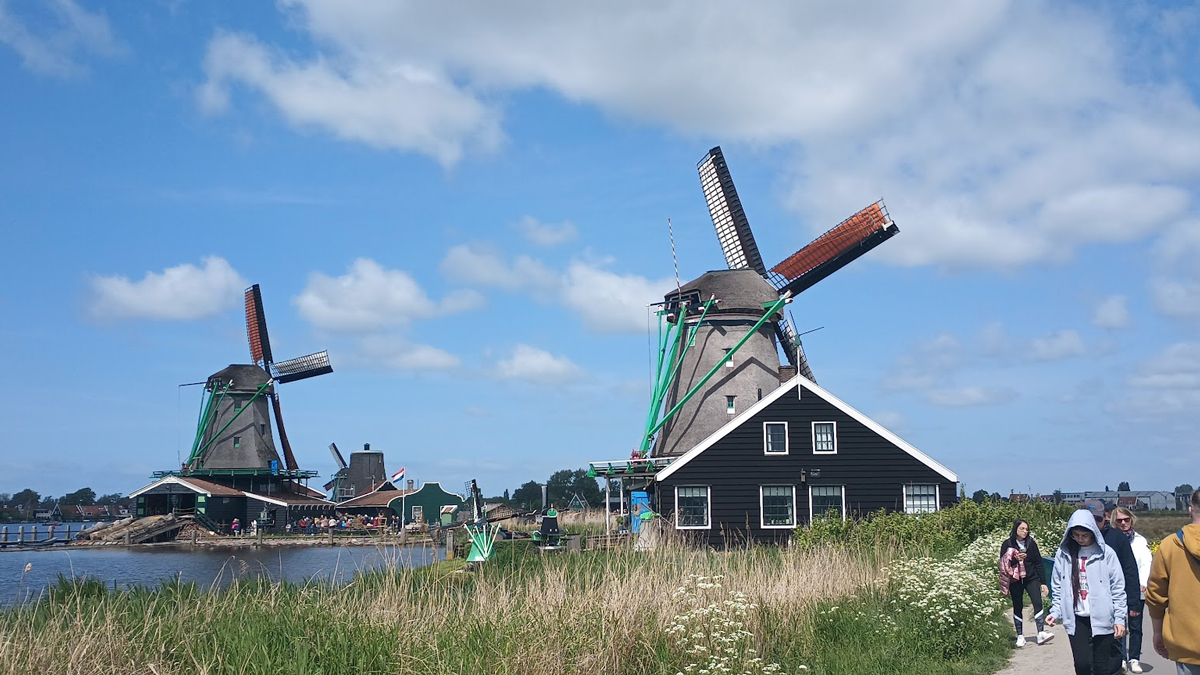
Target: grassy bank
818	608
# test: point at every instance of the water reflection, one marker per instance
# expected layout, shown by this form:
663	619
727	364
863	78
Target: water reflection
208	568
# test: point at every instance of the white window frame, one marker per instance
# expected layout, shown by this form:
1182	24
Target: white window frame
810	500
762	513
707	511
937	496
786	440
418	513
729	361
814	438
730	404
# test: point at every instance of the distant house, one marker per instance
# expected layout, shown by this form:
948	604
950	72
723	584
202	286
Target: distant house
1019	497
797	453
1139	500
375	502
90	513
281	501
427	505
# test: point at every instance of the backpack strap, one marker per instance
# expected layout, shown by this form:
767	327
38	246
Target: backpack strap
1179	534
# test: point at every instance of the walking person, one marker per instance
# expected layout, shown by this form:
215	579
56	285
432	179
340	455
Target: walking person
1173	595
1124	550
1023	573
1089	595
1124	520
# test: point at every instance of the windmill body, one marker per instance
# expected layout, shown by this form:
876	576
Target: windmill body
740	380
239	435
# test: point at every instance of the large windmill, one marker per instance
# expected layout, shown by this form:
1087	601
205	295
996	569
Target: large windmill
233	434
718	349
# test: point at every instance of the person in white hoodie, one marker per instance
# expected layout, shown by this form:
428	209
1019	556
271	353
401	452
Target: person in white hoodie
1124	520
1089	595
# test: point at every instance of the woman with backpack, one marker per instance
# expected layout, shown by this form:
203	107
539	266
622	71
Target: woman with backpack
1089	595
1023	573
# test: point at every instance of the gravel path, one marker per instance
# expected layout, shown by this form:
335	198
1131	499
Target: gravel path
1054	658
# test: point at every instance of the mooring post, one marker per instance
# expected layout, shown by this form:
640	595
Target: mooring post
449	544
195	537
20	534
128	539
5	534
331	535
258	537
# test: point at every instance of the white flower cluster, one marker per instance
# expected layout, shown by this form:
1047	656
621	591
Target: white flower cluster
711	632
955	602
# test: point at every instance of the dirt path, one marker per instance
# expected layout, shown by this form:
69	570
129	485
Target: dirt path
1054	657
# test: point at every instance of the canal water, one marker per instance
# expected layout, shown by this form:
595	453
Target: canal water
121	567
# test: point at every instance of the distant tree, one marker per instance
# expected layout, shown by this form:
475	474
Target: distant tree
1058	496
1123	486
27	500
1186	488
81	497
114	499
996	497
506	495
1107	489
5	499
528	497
980	496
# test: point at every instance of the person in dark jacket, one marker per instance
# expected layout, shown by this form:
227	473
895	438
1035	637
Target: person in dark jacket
1021	573
1119	543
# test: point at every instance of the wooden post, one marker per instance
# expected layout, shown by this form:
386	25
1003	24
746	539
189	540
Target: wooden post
128	539
195	537
331	535
5	534
258	536
449	544
20	534
607	520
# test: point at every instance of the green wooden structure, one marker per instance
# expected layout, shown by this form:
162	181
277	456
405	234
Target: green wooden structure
425	505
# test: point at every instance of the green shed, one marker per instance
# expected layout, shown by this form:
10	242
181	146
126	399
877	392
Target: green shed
431	504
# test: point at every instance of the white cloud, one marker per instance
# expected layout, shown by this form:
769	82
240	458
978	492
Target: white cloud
1062	344
398	354
1167	384
181	293
608	302
546	234
605	301
478	264
970	396
925	364
68	33
1111	312
400	106
530	364
369	297
1003	134
1175	284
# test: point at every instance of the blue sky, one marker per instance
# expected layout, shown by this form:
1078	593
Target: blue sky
467	205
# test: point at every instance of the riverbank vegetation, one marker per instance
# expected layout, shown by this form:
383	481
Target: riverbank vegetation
858	605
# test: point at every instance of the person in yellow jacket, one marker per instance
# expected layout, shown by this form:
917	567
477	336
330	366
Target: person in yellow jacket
1173	595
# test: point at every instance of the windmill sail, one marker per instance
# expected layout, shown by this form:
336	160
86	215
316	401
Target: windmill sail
733	229
302	368
835	249
792	348
256	327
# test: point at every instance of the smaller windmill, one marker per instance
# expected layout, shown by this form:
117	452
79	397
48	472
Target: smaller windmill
233	434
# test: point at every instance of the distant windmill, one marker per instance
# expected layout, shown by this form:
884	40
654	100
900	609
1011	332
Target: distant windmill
233	433
722	328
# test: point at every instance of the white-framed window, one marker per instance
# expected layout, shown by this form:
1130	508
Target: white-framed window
921	498
824	438
730	406
775	438
729	361
418	514
777	505
825	498
692	507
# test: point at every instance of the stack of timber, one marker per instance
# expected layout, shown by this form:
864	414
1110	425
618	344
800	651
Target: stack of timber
135	531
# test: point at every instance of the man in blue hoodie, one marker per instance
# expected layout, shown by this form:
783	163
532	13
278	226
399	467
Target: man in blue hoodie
1133	586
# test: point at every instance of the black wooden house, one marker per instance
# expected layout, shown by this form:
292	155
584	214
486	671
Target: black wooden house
798	452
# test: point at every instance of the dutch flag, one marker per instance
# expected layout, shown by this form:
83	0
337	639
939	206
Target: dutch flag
398	475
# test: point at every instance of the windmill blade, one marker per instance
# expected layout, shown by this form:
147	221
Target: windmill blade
733	229
256	327
302	368
337	456
288	457
835	249
792	348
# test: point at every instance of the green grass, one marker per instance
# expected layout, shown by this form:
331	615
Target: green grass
521	613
